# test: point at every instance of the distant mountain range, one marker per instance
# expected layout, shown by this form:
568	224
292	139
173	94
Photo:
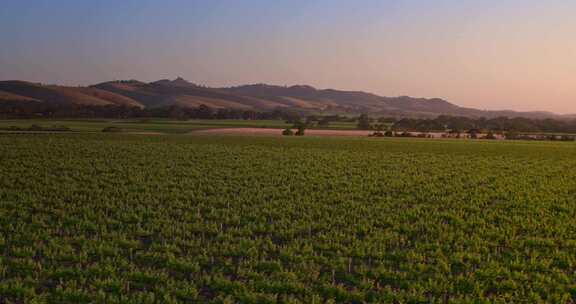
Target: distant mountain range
257	97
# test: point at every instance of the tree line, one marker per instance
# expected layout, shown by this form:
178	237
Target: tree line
441	123
41	110
500	124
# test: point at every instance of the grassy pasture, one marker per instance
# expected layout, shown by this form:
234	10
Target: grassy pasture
119	218
164	126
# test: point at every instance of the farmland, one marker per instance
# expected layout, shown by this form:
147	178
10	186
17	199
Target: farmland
162	126
121	218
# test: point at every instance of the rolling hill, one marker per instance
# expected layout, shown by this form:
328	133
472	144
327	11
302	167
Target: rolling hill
10	97
181	93
61	95
256	97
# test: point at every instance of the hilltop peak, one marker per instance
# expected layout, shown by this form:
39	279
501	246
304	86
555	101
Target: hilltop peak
303	88
179	81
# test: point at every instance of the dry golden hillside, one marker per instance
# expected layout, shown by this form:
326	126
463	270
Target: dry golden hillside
63	95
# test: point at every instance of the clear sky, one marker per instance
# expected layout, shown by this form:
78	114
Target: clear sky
488	54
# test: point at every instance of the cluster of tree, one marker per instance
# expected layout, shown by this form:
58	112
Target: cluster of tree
46	110
551	137
43	110
300	127
457	124
442	123
500	124
390	133
206	112
301	124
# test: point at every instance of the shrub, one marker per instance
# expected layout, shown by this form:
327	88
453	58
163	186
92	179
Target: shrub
287	132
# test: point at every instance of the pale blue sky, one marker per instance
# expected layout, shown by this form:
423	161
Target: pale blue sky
485	54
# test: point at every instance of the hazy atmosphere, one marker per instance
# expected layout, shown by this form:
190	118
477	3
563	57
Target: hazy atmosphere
485	54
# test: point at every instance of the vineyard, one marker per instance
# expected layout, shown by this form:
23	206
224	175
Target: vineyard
117	218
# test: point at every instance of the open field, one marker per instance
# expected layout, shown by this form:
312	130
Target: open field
163	126
109	218
143	125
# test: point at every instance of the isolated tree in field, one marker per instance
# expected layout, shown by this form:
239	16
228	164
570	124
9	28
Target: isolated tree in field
301	130
364	122
301	126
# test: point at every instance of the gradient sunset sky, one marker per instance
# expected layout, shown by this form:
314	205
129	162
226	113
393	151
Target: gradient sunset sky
505	54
